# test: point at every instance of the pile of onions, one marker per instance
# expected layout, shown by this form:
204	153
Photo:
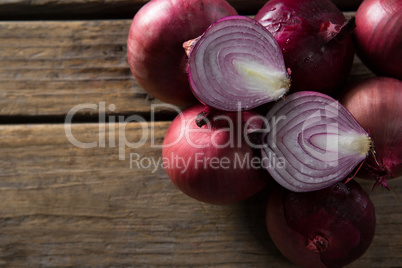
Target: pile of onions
315	40
312	142
154	46
308	142
378	36
327	228
237	64
213	163
376	103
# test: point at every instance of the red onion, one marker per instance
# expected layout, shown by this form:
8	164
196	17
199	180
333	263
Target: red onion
378	36
312	142
327	228
315	40
376	103
237	64
214	163
154	46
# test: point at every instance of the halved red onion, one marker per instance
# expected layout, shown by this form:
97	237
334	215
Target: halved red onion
237	64
312	142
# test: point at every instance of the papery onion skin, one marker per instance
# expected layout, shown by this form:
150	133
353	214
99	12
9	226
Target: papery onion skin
154	46
213	173
237	65
328	228
315	139
376	103
303	29
378	36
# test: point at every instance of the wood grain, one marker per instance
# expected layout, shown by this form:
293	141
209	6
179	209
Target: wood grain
61	205
47	68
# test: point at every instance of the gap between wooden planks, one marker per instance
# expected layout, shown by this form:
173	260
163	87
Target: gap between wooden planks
61	205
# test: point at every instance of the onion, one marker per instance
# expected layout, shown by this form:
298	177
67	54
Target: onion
312	142
378	36
315	40
237	64
214	163
376	103
154	45
327	228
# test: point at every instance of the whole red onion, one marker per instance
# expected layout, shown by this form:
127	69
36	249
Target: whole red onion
326	228
213	163
376	103
154	46
316	42
378	36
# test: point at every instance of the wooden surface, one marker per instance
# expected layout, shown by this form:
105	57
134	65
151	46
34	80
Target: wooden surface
61	205
66	206
48	67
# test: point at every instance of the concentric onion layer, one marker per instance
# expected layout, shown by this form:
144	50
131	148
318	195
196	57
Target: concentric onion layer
237	64
312	142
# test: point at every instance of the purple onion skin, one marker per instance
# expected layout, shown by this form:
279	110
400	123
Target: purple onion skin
197	146
378	36
376	103
303	30
327	228
155	44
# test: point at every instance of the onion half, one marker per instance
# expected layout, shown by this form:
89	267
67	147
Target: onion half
312	142
237	64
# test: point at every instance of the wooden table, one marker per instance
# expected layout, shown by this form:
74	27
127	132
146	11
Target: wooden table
66	205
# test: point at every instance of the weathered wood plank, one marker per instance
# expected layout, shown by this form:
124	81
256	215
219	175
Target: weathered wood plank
49	67
100	9
61	205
